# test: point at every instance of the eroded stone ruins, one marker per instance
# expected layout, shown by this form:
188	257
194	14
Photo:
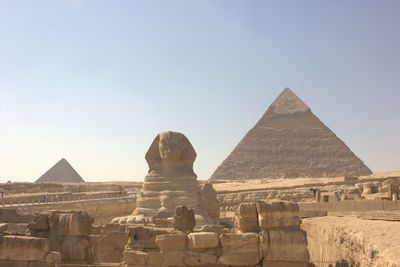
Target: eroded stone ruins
336	214
290	141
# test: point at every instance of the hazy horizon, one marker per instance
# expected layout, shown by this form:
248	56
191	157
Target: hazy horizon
95	81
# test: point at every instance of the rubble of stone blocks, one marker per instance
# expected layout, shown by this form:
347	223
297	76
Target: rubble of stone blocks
265	234
26	251
52	237
67	234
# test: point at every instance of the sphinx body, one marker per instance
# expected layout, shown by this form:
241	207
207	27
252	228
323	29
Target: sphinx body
171	182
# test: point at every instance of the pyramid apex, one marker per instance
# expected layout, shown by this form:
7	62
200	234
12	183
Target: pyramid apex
288	103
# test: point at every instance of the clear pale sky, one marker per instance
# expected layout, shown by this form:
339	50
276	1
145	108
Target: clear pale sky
94	81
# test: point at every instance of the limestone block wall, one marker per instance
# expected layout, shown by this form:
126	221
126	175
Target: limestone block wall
102	210
351	205
43	188
265	234
354	189
23	248
67	234
8	215
230	201
111	243
358	242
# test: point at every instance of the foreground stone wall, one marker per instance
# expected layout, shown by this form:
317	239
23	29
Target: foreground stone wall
23	248
67	233
265	234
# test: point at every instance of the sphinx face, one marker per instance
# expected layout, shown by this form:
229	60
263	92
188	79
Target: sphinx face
171	146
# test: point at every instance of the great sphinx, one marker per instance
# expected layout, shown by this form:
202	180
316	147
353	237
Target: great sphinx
171	182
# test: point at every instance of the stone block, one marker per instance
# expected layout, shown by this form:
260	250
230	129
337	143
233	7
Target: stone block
249	258
93	247
203	240
40	222
75	249
14	263
240	249
246	217
155	258
278	208
172	258
112	227
10	215
276	222
39	264
142	237
111	246
210	201
23	248
53	257
200	258
24	264
267	263
135	257
169	242
284	245
277	215
21	228
184	219
59	223
3	227
370	188
80	224
239	242
70	223
213	228
247	210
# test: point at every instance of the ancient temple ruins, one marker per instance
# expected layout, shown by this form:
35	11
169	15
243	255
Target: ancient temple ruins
61	172
171	182
290	141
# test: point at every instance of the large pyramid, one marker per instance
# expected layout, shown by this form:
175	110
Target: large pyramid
290	141
61	172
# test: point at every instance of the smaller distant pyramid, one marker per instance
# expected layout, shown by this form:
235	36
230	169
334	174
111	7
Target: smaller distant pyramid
61	172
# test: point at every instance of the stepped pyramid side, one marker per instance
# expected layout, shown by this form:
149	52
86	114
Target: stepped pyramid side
61	172
290	141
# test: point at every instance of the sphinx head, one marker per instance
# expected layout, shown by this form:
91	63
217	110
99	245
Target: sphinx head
171	145
171	151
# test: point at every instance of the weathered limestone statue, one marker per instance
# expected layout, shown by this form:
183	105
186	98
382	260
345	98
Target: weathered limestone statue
171	182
